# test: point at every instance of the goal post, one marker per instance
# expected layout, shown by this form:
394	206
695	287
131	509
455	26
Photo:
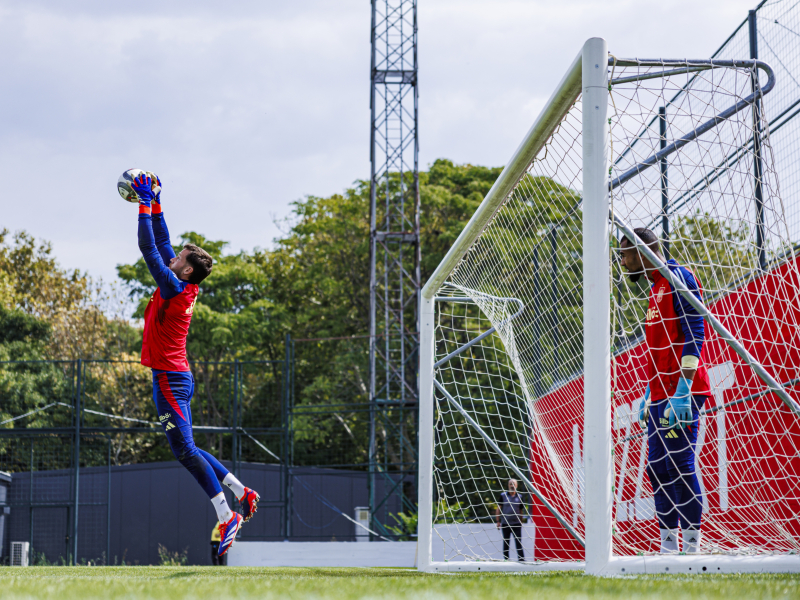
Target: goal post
531	337
596	294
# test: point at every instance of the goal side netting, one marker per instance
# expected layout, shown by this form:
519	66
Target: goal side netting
688	157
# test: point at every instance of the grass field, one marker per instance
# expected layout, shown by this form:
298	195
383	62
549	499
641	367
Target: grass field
201	583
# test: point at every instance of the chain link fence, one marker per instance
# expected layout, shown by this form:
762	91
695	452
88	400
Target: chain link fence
87	476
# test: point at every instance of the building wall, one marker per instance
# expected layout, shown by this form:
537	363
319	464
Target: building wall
161	503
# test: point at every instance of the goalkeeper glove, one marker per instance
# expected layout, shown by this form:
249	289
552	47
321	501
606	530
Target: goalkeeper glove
143	186
156	193
644	408
680	405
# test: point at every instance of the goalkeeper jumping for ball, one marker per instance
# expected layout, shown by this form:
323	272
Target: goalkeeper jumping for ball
166	324
676	391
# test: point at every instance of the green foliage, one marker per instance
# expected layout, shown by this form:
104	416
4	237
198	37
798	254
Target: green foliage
48	318
717	250
450	513
405	529
17	326
27	382
81	313
172	559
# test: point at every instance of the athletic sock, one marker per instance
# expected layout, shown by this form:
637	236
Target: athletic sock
236	486
691	541
224	513
669	541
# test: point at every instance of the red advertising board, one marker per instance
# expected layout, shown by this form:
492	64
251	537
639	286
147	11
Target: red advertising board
748	442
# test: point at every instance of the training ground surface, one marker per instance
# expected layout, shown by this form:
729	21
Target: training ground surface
219	583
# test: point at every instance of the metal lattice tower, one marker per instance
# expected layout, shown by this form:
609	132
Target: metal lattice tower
394	260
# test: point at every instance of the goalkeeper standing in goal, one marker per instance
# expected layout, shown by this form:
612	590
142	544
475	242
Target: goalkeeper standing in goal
166	325
676	391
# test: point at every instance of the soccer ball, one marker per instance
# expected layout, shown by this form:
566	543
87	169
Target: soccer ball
125	185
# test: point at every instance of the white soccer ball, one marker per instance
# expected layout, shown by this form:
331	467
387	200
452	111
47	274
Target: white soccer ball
125	185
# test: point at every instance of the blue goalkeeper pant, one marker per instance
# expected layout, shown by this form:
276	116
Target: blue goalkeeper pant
670	467
172	393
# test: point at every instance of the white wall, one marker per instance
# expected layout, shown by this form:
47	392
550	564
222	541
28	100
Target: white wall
322	554
452	543
472	541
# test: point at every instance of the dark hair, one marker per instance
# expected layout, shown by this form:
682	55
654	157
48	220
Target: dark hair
647	236
200	261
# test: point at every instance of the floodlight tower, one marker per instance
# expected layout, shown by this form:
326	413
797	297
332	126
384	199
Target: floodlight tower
394	259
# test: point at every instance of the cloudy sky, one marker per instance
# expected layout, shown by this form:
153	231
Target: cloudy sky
244	106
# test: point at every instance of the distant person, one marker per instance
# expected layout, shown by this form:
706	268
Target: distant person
216	537
510	515
166	325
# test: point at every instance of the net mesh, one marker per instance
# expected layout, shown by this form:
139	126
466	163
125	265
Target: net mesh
521	386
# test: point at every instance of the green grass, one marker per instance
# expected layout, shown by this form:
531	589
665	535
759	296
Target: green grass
221	583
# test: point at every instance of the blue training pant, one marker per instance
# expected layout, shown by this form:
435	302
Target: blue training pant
172	393
670	467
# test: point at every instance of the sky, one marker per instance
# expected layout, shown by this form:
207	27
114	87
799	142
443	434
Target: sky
244	107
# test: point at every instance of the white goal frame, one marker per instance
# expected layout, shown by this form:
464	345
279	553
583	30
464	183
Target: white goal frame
587	76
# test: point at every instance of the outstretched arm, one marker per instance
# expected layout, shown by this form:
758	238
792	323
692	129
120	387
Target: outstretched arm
692	324
168	283
160	230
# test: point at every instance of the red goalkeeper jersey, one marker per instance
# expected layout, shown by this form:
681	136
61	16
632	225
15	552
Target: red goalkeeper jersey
666	337
166	325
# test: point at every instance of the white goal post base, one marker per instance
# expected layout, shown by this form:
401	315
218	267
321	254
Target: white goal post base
638	565
498	567
700	563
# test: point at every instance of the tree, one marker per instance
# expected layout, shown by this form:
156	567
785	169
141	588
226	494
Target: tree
49	317
83	314
28	384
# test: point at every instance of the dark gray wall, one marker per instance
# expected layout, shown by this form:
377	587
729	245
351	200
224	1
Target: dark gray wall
5	483
161	503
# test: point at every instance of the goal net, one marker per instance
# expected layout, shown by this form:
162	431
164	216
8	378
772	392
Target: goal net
685	153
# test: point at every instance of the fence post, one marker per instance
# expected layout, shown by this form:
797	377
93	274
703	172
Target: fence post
30	510
235	419
287	433
662	134
108	509
78	392
758	168
554	301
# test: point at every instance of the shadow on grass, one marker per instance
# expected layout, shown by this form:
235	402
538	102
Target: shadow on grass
183	574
